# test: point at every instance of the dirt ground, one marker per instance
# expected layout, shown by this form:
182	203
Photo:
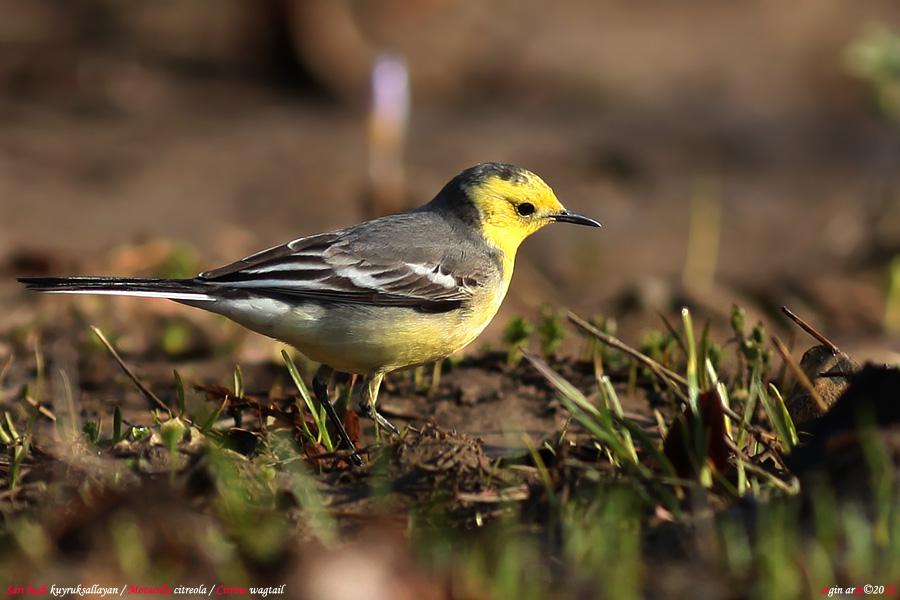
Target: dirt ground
728	149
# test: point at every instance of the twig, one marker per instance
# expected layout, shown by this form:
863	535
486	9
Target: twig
144	389
809	329
614	342
802	379
760	438
41	408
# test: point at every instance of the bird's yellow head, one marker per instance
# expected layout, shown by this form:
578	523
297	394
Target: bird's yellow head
512	203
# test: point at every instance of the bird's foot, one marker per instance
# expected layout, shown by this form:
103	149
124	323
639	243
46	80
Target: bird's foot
320	389
380	421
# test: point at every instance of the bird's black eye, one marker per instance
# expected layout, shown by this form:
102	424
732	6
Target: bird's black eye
525	208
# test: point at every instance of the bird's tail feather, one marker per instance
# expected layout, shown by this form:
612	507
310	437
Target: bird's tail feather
172	289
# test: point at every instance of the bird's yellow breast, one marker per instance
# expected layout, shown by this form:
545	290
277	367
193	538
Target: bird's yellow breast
357	338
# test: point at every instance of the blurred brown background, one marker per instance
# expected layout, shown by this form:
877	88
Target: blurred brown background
734	151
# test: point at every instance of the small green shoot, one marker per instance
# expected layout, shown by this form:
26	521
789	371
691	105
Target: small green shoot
180	393
117	425
207	427
515	335
17	448
92	430
552	330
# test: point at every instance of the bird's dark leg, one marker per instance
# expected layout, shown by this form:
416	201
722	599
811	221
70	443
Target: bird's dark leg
369	396
320	388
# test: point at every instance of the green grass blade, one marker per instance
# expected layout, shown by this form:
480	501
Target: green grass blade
600	423
117	425
317	413
613	402
179	390
693	379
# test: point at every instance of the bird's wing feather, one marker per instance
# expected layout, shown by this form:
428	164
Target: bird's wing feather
332	267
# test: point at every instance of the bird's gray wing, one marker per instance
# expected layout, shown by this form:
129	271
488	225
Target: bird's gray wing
347	266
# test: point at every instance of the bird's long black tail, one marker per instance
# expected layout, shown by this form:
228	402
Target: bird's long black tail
172	289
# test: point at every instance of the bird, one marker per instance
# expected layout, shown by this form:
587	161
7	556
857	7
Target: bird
392	293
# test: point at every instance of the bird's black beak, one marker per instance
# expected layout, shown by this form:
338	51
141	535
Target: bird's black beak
567	216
